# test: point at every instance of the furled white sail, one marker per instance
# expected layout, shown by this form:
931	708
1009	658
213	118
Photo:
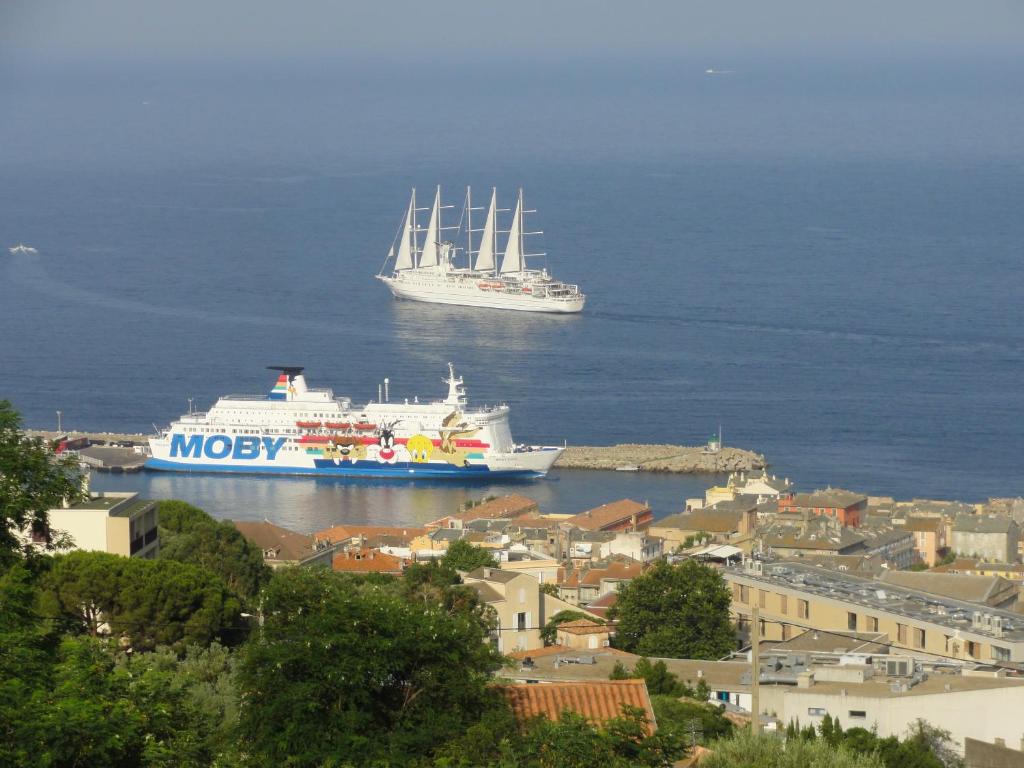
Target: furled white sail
485	256
513	260
404	258
428	256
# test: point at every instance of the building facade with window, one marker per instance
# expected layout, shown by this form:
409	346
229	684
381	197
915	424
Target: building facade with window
794	598
117	522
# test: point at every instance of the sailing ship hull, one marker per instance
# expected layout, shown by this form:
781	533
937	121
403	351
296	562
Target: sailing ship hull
468	293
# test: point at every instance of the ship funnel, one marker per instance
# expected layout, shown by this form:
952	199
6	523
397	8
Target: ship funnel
289	384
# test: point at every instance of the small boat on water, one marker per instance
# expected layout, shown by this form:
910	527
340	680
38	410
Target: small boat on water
27	250
628	468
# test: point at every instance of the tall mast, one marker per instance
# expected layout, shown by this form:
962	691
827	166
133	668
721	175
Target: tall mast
469	228
415	250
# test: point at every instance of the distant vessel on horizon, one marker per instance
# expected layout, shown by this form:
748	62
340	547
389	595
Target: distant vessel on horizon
22	248
427	271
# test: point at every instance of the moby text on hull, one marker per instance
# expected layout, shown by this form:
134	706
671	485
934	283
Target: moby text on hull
428	271
296	430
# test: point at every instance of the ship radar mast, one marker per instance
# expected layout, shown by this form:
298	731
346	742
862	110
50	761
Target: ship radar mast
456	390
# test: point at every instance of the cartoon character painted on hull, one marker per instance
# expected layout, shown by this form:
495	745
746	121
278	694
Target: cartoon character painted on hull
387	451
452	428
344	449
420	448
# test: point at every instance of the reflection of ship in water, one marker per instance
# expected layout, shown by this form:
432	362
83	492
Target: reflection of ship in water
428	271
301	431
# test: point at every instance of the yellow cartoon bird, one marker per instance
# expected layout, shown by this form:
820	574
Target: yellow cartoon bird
420	447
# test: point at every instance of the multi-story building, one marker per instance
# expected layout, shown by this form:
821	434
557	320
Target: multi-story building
988	537
520	606
119	523
794	598
929	537
845	506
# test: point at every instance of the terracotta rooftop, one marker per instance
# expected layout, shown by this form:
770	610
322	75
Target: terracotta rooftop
366	560
509	506
603	603
277	543
599	702
830	497
708	520
615	570
608	514
341	533
582	627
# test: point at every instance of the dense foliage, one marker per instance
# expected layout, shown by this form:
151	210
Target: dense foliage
189	535
675	611
463	556
746	750
345	666
146	603
32	481
923	747
660	682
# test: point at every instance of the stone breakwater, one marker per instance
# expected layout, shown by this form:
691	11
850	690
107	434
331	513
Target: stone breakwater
659	458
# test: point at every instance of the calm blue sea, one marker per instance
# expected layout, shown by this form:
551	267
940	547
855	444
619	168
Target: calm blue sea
824	259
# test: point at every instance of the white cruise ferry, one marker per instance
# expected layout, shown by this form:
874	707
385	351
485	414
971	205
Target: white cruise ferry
428	272
301	431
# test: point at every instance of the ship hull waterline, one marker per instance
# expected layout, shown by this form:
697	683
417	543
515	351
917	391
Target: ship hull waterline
474	297
472	474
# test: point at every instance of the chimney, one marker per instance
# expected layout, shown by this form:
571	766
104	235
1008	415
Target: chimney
1000	742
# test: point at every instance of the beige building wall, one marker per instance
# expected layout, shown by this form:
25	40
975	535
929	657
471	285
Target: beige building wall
86	527
985	714
779	604
544	571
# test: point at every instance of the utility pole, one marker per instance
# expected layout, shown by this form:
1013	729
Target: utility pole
755	658
59	431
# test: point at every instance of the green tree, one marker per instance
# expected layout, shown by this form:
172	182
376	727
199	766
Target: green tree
189	535
549	589
32	481
346	666
147	602
677	611
691	720
573	742
744	749
549	633
463	556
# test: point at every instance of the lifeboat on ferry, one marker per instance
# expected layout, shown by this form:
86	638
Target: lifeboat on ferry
307	424
337	424
484	286
364	426
527	289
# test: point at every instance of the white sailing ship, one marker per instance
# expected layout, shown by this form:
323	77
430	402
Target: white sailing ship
430	272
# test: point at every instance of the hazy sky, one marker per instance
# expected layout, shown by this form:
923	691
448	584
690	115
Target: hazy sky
421	29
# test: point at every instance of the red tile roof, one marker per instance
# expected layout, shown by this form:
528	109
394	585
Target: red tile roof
344	532
607	515
603	603
512	505
281	544
367	561
596	701
615	570
583	627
